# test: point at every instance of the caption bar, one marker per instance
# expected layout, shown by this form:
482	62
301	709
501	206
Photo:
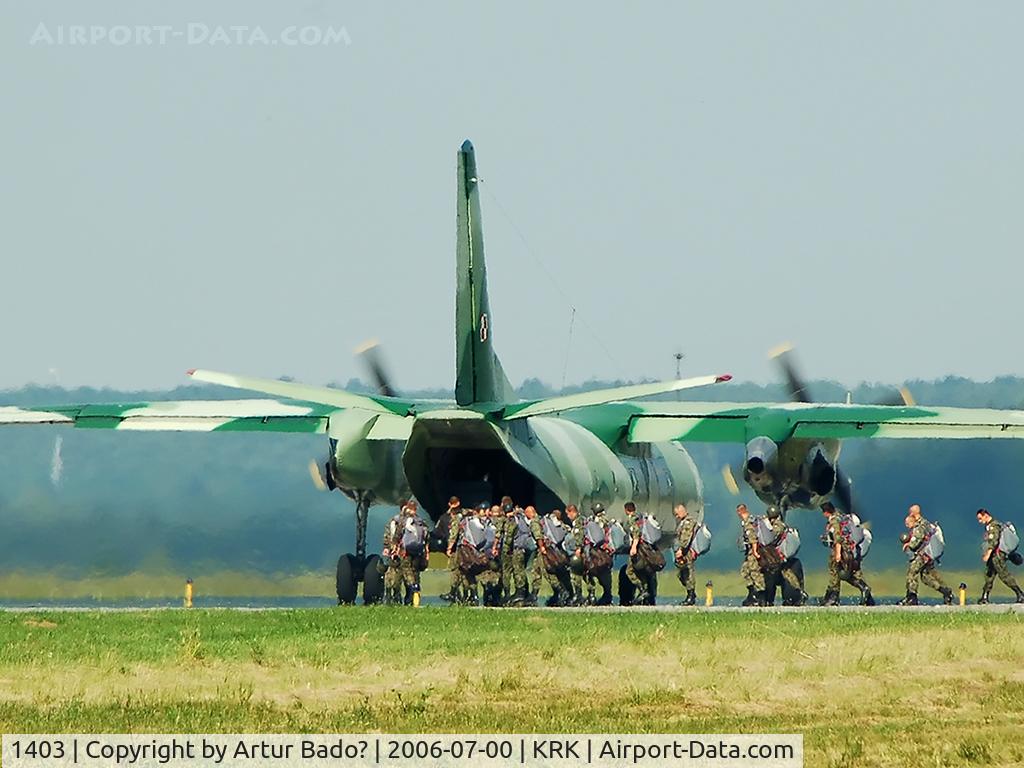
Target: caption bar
401	750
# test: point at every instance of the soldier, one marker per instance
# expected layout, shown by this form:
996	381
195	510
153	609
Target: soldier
519	542
456	581
636	570
506	526
921	565
404	566
994	558
576	571
844	559
782	567
549	553
750	571
597	556
389	554
468	553
490	578
686	527
538	545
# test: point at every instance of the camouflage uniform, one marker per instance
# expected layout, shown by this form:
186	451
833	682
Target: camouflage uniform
516	559
578	579
638	576
750	571
506	526
921	566
490	577
602	577
402	568
848	567
787	573
457	580
684	537
996	565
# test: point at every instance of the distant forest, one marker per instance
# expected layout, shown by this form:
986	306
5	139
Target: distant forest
157	501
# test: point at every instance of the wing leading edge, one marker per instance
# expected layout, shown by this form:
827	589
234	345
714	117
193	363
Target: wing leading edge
738	422
181	416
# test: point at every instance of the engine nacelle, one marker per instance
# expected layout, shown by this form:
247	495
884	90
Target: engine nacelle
818	471
761	462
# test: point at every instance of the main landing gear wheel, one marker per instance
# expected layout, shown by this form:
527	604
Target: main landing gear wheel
356	568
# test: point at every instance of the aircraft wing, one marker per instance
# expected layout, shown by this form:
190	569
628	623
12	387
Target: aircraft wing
182	416
739	422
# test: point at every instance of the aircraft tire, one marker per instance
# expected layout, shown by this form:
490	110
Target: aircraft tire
373	582
626	589
345	580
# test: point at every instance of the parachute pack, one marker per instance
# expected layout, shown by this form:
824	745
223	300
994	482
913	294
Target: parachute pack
789	544
852	529
523	537
553	531
650	530
593	533
1008	538
478	532
701	541
414	537
865	544
620	540
934	543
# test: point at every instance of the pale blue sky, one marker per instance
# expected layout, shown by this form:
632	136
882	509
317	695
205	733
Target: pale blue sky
713	177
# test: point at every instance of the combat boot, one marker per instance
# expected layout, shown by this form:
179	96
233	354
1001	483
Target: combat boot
518	598
831	598
910	599
1020	594
983	600
760	599
750	599
640	598
865	595
691	597
947	596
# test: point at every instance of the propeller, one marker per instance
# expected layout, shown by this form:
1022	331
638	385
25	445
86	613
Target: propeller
799	392
318	474
729	478
369	351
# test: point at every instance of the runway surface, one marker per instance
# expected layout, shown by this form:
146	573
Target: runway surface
726	605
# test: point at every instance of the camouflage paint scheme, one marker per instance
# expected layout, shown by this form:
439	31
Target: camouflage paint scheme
595	446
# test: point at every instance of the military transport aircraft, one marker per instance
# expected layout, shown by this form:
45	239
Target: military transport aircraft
595	446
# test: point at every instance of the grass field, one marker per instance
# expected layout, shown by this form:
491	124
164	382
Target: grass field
866	689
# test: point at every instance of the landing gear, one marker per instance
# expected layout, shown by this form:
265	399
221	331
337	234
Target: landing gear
356	568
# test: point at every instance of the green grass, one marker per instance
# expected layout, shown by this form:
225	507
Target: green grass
866	689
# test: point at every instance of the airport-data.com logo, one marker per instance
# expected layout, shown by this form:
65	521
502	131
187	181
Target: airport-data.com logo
195	33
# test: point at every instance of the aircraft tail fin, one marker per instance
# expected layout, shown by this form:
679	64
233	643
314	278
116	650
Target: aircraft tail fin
479	376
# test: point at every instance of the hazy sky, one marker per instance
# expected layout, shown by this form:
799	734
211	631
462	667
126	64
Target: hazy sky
709	177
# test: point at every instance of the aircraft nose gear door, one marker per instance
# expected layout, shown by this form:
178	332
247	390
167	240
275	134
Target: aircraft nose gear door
356	568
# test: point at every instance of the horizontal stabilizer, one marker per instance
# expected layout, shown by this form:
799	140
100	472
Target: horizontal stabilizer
338	398
601	396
